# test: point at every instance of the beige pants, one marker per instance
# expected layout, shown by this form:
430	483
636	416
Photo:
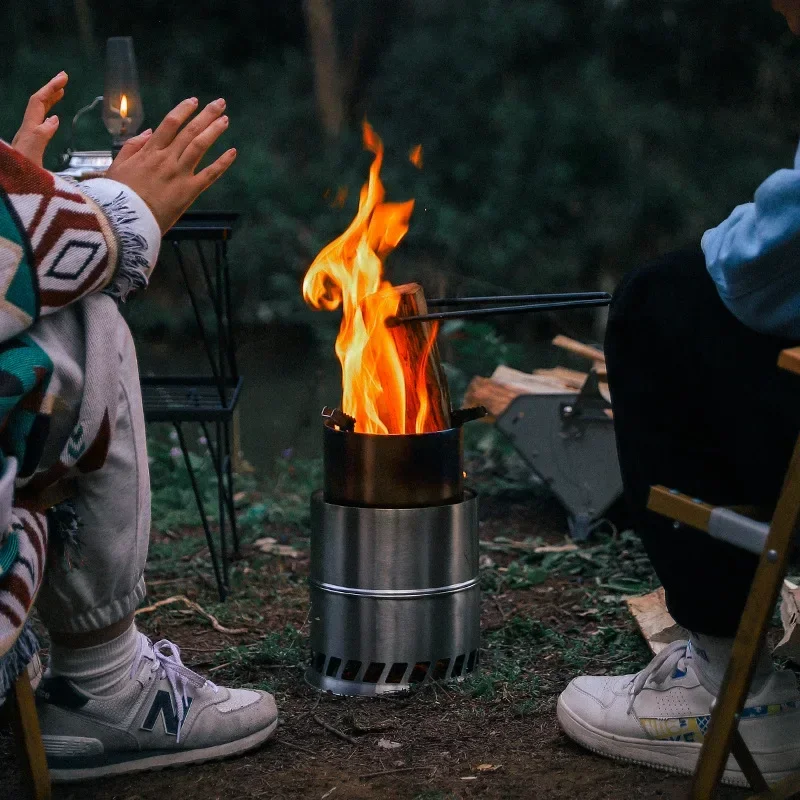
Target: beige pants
105	580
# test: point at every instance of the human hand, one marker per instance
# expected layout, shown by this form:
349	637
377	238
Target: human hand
160	166
37	128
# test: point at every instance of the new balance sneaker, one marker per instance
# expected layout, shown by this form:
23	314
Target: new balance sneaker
165	716
659	717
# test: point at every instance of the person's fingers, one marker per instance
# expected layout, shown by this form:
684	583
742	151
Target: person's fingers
187	135
214	171
42	101
166	132
133	146
35	141
200	145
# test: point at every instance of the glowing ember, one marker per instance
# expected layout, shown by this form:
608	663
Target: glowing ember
415	156
380	388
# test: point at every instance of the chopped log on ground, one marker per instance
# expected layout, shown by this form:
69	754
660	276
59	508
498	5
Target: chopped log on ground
579	348
654	621
789	645
506	384
496	397
416	344
533	382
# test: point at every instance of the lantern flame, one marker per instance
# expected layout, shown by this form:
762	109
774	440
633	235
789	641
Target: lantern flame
376	382
123	106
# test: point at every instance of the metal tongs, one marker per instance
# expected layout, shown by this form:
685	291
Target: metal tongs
523	304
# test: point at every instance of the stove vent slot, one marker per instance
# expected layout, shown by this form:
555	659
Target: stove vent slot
373	672
350	671
440	669
458	666
318	662
333	667
397	672
419	672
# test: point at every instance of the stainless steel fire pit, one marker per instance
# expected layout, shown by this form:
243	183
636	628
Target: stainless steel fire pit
395	598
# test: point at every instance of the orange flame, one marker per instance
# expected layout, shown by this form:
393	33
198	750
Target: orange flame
123	106
378	389
415	156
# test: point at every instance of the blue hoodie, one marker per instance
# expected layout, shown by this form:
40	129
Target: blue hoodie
754	256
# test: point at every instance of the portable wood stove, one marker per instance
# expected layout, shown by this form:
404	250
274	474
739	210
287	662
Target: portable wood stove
395	598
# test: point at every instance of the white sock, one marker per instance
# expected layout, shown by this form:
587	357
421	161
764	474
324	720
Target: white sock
100	670
711	656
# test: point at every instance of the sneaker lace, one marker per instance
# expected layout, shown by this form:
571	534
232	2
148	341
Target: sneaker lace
165	659
658	670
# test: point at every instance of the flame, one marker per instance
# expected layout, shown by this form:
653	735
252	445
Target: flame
379	388
123	106
415	156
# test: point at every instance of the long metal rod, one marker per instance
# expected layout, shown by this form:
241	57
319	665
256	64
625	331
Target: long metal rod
437	302
197	315
222	581
472	313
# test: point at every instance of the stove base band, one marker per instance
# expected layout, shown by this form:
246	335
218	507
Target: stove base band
395	598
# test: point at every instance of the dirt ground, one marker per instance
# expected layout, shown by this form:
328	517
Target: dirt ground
493	736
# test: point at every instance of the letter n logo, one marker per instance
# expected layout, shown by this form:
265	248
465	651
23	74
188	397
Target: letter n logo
163	705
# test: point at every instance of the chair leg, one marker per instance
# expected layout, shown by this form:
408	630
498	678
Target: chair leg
28	735
750	635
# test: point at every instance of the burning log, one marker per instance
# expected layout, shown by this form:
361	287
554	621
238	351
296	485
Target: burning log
419	354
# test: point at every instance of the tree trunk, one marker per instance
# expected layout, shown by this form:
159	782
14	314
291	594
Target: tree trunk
324	52
83	14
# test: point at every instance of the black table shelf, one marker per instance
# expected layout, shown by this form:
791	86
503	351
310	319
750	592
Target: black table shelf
198	244
188	398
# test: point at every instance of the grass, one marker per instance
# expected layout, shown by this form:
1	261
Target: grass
545	617
526	654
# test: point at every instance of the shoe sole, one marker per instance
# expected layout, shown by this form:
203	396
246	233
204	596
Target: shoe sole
174	758
676	757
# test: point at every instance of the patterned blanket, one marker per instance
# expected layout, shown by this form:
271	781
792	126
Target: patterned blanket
58	246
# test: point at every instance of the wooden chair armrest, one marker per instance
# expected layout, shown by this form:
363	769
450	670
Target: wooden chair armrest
693	512
789	359
674	505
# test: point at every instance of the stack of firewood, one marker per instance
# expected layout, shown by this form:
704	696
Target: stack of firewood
497	392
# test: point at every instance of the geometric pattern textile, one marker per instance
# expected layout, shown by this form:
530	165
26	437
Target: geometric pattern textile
57	247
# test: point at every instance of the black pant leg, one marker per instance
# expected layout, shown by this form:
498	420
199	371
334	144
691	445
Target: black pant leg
700	406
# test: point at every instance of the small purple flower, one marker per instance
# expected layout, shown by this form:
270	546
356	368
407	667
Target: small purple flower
176	452
287	453
203	441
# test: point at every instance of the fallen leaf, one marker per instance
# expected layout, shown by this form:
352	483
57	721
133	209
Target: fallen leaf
387	744
266	544
488	767
556	548
286	550
271	546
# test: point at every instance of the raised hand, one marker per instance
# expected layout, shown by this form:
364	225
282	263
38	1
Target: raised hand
37	128
160	166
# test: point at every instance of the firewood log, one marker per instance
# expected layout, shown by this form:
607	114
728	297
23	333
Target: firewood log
495	396
416	341
580	349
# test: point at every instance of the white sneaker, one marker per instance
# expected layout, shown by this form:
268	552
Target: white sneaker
165	716
659	717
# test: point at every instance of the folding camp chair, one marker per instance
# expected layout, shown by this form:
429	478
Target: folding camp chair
20	710
773	543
